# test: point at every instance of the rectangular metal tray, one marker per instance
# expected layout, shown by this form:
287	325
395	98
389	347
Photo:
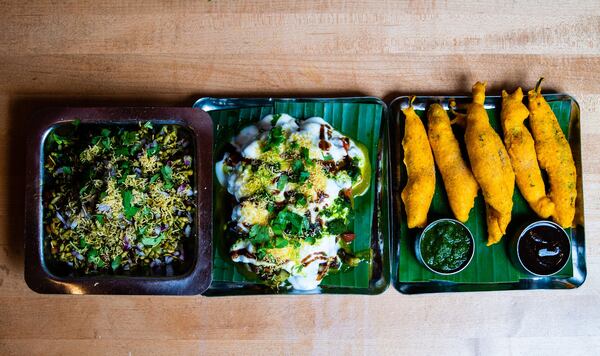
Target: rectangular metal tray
192	279
400	240
230	115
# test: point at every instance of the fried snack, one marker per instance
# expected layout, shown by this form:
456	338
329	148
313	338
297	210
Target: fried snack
521	150
490	164
554	155
420	169
460	184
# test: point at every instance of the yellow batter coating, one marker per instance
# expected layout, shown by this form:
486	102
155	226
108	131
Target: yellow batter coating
460	184
554	155
490	164
420	169
521	150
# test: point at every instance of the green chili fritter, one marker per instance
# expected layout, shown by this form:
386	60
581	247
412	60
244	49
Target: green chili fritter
118	198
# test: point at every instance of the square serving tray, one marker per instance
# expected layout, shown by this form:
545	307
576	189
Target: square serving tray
491	268
192	278
362	118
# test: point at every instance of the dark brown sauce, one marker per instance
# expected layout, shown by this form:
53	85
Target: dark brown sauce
323	144
242	252
544	249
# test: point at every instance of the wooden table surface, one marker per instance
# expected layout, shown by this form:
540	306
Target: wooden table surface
170	53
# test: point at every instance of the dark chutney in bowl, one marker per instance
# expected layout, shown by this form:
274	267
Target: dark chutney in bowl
543	248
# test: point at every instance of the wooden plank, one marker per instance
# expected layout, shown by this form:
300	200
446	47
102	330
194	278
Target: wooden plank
171	53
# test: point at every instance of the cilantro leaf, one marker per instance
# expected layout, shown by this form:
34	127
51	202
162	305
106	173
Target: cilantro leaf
95	259
151	151
261	253
303	176
301	201
336	227
281	183
130	210
274	139
259	234
297	166
128	138
122	151
152	241
100	219
275	119
287	221
167	172
116	263
281	242
154	178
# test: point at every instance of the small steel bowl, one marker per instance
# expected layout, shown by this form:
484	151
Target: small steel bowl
514	247
429	227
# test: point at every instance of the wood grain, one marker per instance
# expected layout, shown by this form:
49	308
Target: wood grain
171	53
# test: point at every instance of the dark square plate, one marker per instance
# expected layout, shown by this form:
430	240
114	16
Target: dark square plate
192	278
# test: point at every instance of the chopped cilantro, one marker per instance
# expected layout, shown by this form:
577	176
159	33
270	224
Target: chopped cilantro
259	234
122	151
280	242
283	179
301	201
152	241
297	166
287	221
128	138
58	139
95	259
274	139
261	253
151	151
130	210
304	152
116	262
336	227
167	172
275	119
99	218
303	176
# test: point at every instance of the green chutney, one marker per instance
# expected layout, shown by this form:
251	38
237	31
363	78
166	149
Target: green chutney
446	246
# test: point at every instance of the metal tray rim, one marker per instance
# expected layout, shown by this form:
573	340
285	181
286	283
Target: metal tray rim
224	103
40	279
579	270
